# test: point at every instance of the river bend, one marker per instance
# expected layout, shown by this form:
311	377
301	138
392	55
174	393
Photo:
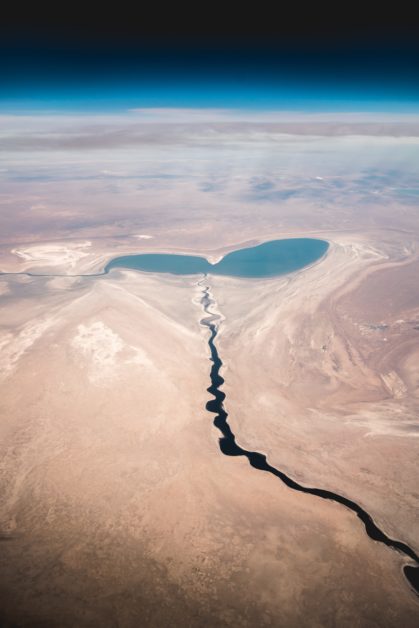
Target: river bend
229	447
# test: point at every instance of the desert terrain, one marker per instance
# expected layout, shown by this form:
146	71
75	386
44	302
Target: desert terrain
118	508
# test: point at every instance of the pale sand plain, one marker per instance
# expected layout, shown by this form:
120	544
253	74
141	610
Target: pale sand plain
119	509
331	373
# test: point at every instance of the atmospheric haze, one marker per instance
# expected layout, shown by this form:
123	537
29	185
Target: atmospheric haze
118	506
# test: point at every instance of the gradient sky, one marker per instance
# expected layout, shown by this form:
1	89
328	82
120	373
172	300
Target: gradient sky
113	63
109	126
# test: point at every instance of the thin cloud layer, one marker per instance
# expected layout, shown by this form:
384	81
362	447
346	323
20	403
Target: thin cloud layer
201	127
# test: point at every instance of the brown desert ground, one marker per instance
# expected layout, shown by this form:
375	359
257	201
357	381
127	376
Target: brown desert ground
118	507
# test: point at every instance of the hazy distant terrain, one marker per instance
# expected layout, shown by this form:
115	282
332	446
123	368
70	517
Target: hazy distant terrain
106	175
118	508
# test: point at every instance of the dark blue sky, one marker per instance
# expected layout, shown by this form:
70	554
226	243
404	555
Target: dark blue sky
114	64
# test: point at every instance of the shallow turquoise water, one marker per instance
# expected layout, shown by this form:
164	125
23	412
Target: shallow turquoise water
265	260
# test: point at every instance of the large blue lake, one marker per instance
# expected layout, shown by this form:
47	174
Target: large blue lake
265	260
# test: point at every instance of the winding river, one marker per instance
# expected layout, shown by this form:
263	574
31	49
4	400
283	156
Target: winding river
229	447
265	260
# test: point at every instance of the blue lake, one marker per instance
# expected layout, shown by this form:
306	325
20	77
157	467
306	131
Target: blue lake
265	260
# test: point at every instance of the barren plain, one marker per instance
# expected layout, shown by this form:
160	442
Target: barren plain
118	508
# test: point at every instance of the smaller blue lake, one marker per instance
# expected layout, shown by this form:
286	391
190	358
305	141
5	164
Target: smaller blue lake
265	260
